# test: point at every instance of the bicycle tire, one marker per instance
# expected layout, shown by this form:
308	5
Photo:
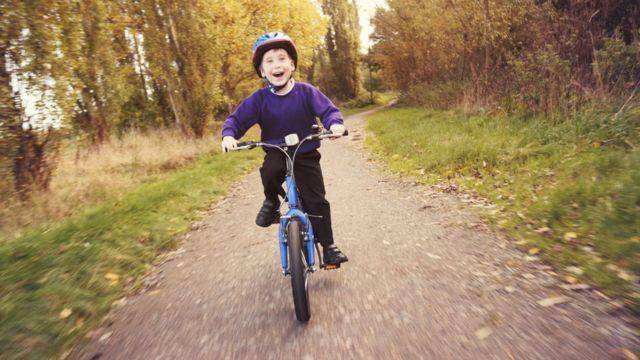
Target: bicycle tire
298	270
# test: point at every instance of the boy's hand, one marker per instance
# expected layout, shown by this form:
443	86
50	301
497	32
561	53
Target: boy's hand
337	129
229	143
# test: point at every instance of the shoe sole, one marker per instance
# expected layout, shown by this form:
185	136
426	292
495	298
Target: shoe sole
275	220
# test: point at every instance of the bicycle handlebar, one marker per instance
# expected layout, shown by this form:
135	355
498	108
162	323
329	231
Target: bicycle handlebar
323	135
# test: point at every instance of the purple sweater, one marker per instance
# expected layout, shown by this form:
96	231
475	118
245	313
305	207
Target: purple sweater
279	116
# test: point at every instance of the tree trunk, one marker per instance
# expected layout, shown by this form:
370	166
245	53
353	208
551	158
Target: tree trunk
31	170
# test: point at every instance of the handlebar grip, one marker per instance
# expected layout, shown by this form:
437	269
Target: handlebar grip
346	132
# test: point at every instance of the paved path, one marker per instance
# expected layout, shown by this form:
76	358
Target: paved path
425	280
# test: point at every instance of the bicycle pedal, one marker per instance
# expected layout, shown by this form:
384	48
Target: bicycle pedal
332	267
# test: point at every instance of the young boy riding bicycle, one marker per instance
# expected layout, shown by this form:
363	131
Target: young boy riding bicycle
285	107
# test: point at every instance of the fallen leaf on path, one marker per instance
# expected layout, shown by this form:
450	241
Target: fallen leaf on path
553	301
106	336
119	303
570	279
483	333
433	256
528	276
629	354
570	236
509	289
65	313
534	251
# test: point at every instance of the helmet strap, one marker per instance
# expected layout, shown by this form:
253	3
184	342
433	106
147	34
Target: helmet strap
275	88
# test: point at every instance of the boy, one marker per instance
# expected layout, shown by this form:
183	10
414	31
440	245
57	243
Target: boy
282	108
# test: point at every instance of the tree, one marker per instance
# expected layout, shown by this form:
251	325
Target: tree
343	46
26	63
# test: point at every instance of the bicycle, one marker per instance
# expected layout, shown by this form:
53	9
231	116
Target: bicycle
295	234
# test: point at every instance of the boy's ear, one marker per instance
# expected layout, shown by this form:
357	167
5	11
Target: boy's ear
262	72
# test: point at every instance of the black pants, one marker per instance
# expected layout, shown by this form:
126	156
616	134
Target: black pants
310	184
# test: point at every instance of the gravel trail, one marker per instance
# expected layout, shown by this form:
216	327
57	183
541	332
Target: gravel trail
425	279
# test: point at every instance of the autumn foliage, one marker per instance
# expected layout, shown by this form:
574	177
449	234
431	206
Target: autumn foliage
94	68
540	56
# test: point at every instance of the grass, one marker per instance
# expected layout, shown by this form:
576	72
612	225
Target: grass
86	176
58	281
570	189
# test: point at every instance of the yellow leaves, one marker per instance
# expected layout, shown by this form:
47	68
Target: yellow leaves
570	236
551	301
621	273
544	231
65	313
629	355
575	270
113	278
534	251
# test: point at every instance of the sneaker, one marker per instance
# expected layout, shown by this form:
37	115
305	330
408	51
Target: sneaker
333	255
268	214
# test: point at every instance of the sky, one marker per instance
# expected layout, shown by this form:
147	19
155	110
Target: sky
366	10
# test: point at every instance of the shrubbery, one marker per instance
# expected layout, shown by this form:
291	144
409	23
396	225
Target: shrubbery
535	57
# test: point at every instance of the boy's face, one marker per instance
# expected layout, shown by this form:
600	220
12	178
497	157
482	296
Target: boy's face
277	66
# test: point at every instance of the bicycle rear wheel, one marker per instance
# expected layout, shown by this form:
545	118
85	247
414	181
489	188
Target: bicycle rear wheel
299	271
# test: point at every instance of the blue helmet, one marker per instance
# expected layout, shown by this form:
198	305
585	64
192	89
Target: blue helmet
272	40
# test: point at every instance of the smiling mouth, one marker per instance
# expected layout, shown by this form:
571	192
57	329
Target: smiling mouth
278	75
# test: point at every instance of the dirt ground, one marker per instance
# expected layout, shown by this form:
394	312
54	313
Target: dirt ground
426	279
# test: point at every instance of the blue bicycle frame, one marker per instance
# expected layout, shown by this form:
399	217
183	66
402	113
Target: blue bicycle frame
295	210
304	262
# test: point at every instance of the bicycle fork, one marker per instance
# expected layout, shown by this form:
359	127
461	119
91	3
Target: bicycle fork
307	236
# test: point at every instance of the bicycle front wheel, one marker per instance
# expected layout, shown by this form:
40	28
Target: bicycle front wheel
299	271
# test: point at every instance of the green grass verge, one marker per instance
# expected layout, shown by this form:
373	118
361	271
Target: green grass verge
57	283
580	178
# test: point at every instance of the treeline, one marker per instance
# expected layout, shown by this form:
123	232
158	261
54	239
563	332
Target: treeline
92	68
520	55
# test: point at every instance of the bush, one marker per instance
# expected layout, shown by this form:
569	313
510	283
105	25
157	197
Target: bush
363	100
441	95
617	64
542	81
